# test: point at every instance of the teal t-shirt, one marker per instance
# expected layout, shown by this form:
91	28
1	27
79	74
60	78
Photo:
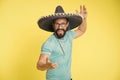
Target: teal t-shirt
60	51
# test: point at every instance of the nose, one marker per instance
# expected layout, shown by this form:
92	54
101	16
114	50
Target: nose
60	27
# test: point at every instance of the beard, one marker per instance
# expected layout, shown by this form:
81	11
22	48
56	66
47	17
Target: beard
59	36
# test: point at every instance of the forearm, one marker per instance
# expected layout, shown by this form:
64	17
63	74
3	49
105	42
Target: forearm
82	27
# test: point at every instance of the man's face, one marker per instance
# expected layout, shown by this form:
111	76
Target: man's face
60	27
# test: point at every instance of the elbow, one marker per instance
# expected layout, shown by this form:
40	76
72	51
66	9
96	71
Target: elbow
84	31
39	67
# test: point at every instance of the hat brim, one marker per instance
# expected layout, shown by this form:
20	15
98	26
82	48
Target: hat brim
45	23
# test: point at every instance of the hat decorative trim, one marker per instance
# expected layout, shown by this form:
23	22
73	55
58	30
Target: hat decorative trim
61	14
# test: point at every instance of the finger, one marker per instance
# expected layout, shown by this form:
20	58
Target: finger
51	67
47	60
80	9
54	65
77	11
84	9
48	63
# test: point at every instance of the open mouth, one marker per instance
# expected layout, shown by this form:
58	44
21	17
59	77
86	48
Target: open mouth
60	33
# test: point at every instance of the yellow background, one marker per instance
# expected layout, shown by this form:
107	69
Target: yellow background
95	54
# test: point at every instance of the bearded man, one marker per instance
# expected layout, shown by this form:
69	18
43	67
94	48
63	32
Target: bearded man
56	52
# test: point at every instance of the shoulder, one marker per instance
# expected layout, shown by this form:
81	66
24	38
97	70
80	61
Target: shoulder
47	46
49	41
71	34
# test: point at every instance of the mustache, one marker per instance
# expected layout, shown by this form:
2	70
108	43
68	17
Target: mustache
60	29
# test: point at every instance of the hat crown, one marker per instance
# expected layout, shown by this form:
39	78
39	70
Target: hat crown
59	9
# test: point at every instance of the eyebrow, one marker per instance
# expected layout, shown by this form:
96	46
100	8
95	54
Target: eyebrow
60	18
61	23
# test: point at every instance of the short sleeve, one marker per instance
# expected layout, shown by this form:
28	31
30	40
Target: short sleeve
71	34
46	49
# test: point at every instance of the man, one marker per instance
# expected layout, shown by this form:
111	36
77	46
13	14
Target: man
56	52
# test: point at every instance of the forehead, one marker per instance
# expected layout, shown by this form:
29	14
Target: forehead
60	20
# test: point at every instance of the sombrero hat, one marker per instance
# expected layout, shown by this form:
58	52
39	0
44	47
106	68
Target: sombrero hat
45	22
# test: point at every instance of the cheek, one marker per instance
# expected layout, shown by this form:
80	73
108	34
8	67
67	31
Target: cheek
65	28
55	28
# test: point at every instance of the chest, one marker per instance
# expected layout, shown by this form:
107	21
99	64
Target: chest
61	50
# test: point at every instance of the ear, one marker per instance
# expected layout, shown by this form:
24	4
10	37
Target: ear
67	24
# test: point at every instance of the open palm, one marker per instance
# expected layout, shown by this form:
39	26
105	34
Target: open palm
82	12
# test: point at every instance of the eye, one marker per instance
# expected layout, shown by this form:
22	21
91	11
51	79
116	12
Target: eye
60	24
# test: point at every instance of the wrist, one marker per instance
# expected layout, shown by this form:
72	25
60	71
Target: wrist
84	19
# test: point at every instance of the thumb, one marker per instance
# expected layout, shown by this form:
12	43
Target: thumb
77	11
47	60
48	63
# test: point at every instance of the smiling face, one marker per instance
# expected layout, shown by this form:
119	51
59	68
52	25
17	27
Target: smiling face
60	26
